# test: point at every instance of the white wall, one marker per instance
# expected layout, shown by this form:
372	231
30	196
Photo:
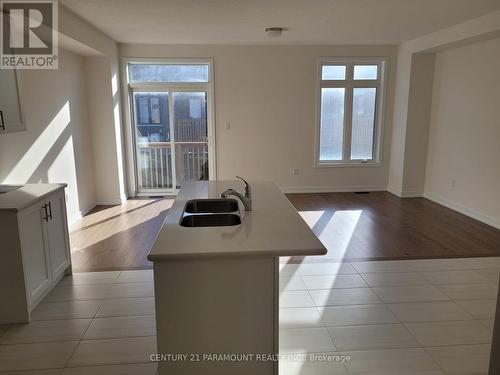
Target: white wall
463	164
108	171
73	121
268	94
56	146
404	179
104	104
417	131
411	123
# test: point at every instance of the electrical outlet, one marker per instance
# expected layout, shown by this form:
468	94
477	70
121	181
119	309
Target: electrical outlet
453	183
228	125
295	171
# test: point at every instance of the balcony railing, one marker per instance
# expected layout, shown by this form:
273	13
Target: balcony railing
156	162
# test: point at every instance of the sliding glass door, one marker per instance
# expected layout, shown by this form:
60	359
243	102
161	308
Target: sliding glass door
190	139
171	139
171	128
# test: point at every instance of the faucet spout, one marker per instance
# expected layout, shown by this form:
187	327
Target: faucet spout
245	199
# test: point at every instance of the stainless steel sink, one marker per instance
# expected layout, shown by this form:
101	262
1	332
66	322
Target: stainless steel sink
198	206
6	188
209	220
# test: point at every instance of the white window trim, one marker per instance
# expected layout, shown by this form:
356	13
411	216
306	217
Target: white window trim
159	86
379	108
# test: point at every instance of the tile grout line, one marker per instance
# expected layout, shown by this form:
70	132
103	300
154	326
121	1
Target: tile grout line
95	300
481	321
78	341
101	302
115	338
91	322
435	361
323	325
100	365
406	328
383	303
76	347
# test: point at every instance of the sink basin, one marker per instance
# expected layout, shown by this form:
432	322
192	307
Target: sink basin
197	206
217	220
6	188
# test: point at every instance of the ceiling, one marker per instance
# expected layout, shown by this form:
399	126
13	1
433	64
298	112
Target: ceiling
306	21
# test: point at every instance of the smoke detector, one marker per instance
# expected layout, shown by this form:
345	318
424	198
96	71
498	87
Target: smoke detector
274	31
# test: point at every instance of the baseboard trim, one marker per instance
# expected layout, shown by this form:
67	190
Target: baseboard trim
486	219
395	192
406	193
78	215
123	198
412	194
332	189
110	202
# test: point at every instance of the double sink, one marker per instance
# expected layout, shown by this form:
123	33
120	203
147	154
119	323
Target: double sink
211	213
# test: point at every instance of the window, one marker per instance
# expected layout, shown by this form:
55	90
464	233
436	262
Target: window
350	109
168	72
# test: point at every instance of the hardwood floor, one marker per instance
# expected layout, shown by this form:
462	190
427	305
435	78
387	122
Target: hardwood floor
117	237
380	225
374	226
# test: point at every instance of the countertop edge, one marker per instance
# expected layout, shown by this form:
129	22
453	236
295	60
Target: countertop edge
237	254
57	186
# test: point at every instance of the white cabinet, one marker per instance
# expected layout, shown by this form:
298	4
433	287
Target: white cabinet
36	255
57	235
11	114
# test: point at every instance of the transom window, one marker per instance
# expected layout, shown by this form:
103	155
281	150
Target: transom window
350	111
168	72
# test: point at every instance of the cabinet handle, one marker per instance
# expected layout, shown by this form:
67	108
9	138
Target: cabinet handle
46	218
50	211
2	123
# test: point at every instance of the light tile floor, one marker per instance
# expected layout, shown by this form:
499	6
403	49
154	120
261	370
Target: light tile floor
416	317
99	323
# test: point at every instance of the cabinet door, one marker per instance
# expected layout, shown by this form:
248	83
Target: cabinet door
11	116
34	252
57	229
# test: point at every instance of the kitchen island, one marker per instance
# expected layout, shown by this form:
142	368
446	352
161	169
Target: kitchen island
217	287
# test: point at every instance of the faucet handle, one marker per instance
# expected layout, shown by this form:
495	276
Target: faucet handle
247	186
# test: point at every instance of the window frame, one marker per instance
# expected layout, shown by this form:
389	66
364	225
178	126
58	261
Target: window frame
349	84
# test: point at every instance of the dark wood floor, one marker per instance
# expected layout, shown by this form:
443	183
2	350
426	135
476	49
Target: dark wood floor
353	227
380	225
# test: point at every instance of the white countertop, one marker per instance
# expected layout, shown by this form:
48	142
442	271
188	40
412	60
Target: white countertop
25	196
273	228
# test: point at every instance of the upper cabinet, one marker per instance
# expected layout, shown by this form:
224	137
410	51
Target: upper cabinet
11	114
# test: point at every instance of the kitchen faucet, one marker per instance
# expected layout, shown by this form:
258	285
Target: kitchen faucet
245	199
